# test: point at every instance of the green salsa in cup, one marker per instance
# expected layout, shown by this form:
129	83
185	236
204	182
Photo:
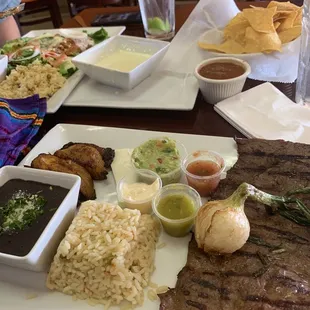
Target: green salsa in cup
176	206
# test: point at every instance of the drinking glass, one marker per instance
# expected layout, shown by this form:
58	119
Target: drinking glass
158	18
303	79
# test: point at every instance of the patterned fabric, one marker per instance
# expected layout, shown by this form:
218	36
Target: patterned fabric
7	4
20	120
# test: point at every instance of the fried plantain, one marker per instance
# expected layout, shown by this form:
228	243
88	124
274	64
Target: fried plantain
107	153
86	156
53	163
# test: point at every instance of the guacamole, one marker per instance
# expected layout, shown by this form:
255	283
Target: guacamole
161	156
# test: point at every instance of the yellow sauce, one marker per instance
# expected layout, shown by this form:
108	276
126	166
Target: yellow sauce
122	60
139	196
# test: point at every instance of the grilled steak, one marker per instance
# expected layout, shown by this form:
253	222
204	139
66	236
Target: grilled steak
272	270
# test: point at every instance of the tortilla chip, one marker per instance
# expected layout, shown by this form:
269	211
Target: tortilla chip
239	37
227	47
280	15
260	30
298	18
288	22
261	19
239	18
235	29
283	6
236	23
261	42
289	35
276	25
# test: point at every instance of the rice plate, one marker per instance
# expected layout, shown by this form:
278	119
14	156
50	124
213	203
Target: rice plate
107	255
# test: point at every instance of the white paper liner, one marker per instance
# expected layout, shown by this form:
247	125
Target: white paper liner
211	14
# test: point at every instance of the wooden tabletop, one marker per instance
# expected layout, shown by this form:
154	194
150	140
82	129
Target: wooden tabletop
201	120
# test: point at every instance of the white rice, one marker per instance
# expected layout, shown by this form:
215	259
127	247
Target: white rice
153	285
161	246
36	78
152	296
31	296
107	261
162	289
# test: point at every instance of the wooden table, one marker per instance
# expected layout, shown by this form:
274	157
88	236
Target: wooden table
201	120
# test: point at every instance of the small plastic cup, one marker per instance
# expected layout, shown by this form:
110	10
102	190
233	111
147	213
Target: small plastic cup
181	227
141	176
204	185
175	175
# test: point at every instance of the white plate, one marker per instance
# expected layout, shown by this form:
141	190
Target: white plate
16	285
171	87
54	103
163	90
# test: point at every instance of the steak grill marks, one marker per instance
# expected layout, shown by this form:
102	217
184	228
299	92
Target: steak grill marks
254	278
286	304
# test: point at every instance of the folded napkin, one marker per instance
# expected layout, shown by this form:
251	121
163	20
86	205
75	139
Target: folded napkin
219	13
265	112
20	120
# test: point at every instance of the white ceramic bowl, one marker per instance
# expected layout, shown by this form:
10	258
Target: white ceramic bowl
215	91
3	66
87	60
42	253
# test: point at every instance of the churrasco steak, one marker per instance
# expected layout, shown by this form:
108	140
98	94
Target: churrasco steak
272	271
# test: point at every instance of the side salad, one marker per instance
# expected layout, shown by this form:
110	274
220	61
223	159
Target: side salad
54	49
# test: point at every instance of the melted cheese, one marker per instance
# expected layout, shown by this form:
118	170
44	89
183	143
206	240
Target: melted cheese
122	60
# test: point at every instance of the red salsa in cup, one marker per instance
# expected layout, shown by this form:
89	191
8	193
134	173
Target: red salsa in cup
221	70
203	168
203	171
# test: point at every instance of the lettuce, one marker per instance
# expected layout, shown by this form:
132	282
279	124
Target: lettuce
13	45
99	35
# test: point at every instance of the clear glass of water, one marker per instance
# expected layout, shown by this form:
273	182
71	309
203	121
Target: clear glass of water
158	18
303	79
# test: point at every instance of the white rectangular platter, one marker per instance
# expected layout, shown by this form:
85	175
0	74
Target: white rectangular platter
163	90
17	285
54	103
172	86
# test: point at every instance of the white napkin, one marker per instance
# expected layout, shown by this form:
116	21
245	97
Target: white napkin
211	14
265	112
217	16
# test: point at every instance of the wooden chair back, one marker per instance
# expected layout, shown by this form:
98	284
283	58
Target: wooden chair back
76	6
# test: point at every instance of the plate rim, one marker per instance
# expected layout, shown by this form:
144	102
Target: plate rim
76	77
62	127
